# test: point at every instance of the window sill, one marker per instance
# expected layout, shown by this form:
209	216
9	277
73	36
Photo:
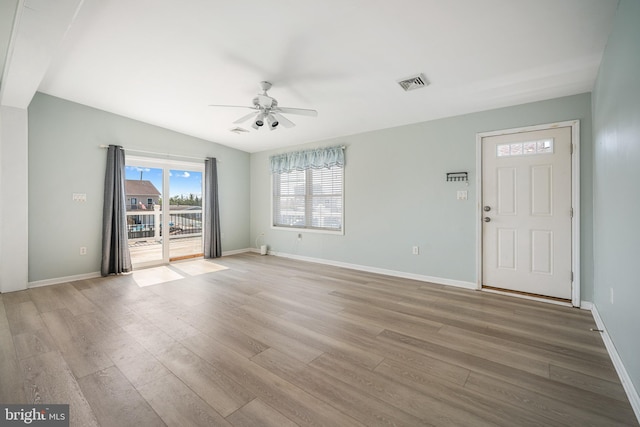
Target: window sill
308	230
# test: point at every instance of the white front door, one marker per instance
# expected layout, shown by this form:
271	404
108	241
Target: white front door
526	202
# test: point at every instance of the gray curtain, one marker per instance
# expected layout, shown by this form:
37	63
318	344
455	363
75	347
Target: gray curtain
115	249
212	241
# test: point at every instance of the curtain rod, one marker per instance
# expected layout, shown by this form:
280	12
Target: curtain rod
344	147
159	154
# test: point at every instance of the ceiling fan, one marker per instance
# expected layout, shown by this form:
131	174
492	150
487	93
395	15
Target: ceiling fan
266	110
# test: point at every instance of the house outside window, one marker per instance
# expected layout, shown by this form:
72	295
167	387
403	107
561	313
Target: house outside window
138	190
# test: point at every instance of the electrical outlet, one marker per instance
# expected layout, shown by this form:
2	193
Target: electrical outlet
415	250
83	250
462	195
79	197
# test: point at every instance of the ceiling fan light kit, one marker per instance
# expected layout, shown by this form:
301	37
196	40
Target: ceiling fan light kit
266	109
259	122
273	122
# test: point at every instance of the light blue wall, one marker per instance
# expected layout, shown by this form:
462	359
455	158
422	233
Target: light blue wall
396	195
616	113
405	166
64	158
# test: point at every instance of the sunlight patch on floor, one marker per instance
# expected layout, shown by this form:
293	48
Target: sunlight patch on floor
194	268
154	276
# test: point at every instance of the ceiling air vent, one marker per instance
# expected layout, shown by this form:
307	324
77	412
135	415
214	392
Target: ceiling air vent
413	82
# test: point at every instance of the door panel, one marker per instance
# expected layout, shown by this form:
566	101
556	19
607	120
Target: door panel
185	214
507	248
144	214
507	191
541	190
526	185
541	251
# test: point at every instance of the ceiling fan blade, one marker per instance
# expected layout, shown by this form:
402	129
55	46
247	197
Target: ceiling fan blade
247	117
283	120
299	111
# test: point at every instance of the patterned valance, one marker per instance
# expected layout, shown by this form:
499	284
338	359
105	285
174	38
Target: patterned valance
310	159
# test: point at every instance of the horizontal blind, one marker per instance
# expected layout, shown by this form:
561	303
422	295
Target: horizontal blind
289	199
308	199
324	191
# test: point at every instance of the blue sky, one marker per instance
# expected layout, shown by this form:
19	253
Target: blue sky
181	182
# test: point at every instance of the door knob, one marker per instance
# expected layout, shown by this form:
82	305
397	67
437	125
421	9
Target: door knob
487	208
487	219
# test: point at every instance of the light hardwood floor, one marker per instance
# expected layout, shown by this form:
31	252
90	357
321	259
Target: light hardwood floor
276	342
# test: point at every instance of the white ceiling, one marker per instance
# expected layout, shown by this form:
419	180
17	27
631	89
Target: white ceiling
164	61
7	15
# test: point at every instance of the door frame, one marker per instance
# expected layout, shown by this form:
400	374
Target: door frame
166	165
575	202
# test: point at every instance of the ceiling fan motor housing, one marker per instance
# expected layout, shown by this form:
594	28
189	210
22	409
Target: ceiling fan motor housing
266	109
264	102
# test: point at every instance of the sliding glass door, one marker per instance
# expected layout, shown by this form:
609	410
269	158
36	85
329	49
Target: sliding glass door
143	194
154	187
185	214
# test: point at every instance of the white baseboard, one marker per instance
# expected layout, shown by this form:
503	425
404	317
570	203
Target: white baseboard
625	379
394	273
586	305
237	251
66	279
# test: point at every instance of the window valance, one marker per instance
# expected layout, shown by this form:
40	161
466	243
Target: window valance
319	158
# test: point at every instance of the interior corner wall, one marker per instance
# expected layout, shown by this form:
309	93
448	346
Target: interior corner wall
396	194
65	158
616	124
13	199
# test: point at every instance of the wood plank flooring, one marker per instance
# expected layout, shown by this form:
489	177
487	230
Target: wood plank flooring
277	342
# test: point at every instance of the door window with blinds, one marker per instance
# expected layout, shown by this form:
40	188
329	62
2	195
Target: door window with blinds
311	198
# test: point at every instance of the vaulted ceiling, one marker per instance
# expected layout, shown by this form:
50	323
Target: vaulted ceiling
164	61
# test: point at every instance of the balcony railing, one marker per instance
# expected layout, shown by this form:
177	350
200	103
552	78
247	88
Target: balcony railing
147	225
141	207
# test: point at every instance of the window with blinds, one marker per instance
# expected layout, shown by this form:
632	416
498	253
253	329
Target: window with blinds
310	199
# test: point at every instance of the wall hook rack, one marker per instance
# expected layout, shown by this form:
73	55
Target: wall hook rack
458	176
